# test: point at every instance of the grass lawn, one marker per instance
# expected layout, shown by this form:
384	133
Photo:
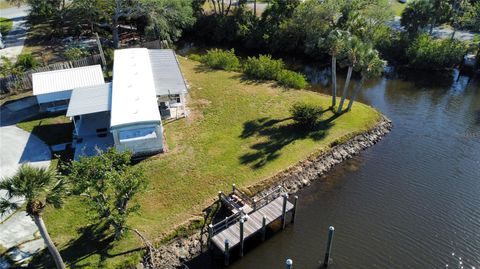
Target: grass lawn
5	26
239	132
52	129
5	4
13	97
397	7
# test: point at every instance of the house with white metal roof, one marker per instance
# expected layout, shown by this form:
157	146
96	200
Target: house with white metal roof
135	121
127	113
54	88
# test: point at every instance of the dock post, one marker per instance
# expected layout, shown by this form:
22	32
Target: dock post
241	236
284	210
294	208
219	196
328	251
264	227
289	263
254	204
227	252
210	235
234	187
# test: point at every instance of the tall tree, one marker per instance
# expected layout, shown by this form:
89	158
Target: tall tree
40	187
168	18
371	66
335	43
108	183
353	54
416	16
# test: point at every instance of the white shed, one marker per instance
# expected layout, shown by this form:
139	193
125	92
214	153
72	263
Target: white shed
54	88
135	119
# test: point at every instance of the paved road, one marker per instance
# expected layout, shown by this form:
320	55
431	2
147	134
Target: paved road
15	39
438	32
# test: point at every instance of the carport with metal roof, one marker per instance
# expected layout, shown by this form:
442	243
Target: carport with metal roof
90	109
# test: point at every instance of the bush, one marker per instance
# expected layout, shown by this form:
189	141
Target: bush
428	53
26	61
195	57
306	115
291	79
221	59
263	67
73	54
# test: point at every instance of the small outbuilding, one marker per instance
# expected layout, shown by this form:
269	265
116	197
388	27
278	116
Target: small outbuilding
54	88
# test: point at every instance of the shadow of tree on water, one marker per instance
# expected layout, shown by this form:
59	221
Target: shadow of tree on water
278	134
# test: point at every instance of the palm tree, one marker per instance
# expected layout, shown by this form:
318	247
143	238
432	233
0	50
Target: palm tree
335	43
353	54
371	66
40	187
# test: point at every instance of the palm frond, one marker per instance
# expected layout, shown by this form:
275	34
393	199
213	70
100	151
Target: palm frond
7	206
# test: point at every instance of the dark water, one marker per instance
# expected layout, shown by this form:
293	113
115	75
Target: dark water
411	201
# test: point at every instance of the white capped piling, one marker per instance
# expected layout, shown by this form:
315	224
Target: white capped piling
210	235
264	227
234	187
328	251
284	209
219	196
294	208
289	263
227	252
241	236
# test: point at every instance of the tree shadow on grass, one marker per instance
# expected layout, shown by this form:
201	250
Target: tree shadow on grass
278	134
95	239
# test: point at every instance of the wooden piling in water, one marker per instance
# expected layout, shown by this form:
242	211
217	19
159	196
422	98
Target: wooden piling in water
328	251
284	210
289	263
264	227
294	208
227	253
210	235
241	236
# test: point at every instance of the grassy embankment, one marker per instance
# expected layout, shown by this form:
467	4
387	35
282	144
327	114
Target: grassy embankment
5	26
239	131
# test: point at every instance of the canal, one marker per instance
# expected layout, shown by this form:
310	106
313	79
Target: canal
411	201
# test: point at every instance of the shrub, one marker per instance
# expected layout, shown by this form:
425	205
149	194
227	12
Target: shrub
263	67
291	79
221	59
195	57
73	54
306	115
428	53
26	61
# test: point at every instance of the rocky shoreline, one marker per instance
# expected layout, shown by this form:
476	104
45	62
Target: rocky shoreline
179	251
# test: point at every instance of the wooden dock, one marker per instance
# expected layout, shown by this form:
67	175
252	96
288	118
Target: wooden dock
248	216
254	223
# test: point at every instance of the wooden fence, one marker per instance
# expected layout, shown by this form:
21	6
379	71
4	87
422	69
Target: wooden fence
23	82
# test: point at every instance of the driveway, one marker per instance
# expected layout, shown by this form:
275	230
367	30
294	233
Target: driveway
15	39
16	147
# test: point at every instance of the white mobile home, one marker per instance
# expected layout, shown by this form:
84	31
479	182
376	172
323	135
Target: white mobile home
54	88
135	121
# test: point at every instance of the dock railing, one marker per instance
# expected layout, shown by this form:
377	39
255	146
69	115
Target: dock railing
267	197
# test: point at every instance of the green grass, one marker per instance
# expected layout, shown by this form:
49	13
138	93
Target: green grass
5	26
397	7
5	4
52	129
13	97
238	131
